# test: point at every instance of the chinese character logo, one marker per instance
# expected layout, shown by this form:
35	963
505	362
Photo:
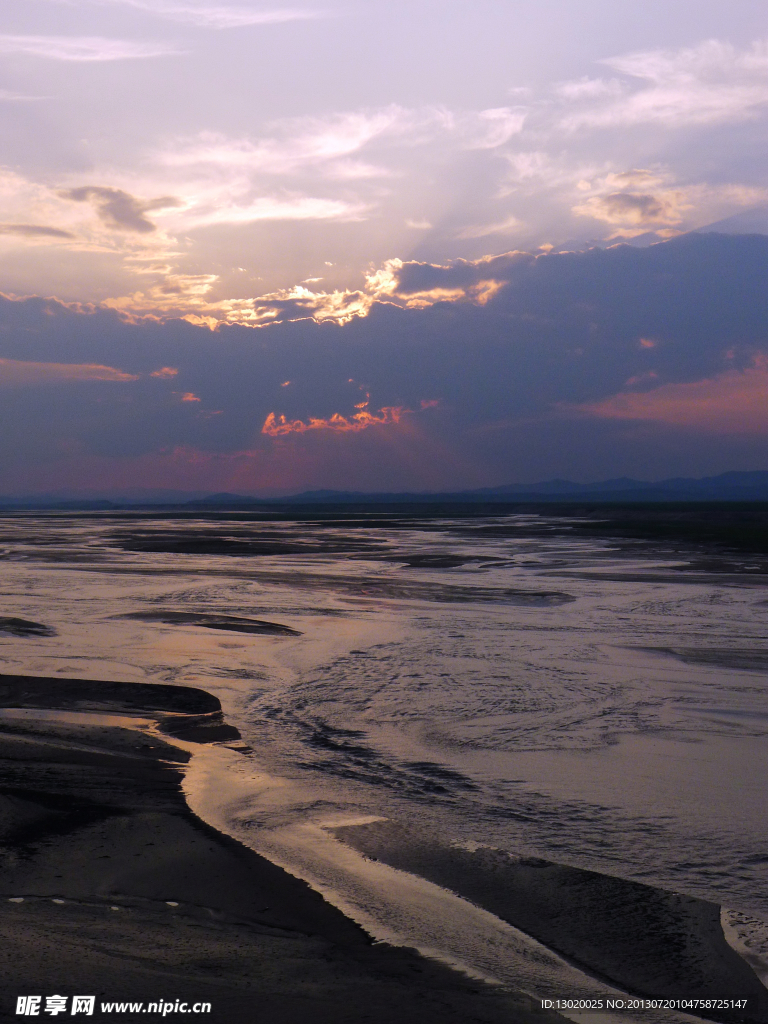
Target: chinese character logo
29	1006
55	1005
83	1004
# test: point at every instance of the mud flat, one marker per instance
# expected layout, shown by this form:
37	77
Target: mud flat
639	938
111	887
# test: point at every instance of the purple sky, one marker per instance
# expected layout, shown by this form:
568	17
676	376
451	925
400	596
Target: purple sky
381	246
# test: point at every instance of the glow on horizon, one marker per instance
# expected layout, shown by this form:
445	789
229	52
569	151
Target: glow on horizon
734	402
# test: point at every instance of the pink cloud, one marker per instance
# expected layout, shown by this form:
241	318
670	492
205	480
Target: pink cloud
17	372
735	402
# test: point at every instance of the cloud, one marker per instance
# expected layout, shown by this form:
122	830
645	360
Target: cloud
518	174
182	295
423	284
301	142
31	211
231	180
353	170
589	89
34	231
529	357
538	168
517	170
119	209
634	208
734	402
712	59
492	128
206	15
300	303
636	177
636	201
317	161
279	426
502	227
18	372
189	298
84	48
411	284
293	207
165	371
326	144
711	83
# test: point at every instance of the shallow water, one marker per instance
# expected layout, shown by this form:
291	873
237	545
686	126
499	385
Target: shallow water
505	681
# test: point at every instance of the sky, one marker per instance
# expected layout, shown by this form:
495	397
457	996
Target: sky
267	248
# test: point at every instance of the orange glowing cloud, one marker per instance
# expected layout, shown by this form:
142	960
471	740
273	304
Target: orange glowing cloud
164	371
189	396
277	426
734	402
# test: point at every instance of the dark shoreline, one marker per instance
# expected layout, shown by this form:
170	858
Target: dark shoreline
127	896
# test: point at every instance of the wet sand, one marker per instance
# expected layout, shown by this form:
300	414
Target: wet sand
111	887
638	938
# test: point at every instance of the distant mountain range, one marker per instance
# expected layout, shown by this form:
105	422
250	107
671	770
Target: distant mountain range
747	486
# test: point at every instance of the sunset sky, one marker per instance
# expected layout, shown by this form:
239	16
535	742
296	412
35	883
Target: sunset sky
412	245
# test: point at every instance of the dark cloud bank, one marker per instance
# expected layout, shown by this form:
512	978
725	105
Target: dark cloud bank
558	331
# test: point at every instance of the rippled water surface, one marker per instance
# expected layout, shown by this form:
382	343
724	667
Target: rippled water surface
500	680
